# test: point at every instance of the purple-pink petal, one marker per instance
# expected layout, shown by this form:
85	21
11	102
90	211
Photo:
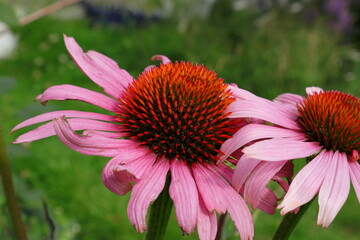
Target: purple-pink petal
145	192
259	178
334	190
289	98
312	90
184	194
99	68
47	129
243	169
162	58
66	92
206	223
306	183
354	168
281	149
254	131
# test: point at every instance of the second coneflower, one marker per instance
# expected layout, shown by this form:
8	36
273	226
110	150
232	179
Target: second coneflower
172	119
324	127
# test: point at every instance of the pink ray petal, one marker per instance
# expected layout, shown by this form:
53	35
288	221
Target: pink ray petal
355	177
253	132
162	58
47	129
243	169
267	201
206	222
267	111
209	188
306	183
87	144
243	94
99	68
145	192
67	113
66	92
334	190
184	193
104	134
225	171
289	98
312	90
259	178
281	149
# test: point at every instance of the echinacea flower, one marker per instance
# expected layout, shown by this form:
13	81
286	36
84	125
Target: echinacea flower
323	127
172	120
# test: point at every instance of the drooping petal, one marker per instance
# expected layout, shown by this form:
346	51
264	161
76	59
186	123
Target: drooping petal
354	168
66	92
225	171
243	169
306	183
281	149
47	129
209	189
267	201
259	178
206	223
267	111
87	144
184	194
243	94
334	190
67	113
162	58
144	193
253	132
99	68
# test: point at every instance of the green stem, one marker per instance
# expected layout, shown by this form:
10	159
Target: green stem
289	223
221	223
7	183
159	214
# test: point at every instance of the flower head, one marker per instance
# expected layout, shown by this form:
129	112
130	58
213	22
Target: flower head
324	127
172	120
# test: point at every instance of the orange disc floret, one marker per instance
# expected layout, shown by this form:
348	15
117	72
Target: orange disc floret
332	118
177	110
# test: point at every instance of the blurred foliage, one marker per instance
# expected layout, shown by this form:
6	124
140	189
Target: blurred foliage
267	54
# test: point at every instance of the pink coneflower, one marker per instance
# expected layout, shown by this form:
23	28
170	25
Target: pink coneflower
324	127
171	119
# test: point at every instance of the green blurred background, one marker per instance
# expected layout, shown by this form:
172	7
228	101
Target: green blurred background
267	47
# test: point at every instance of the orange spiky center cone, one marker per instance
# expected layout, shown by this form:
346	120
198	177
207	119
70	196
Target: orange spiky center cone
332	118
177	111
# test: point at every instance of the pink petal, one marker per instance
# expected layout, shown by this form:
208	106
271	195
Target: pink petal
267	111
355	177
145	192
225	171
243	94
334	190
242	170
312	90
88	144
206	223
67	113
66	92
218	195
281	149
306	183
210	189
267	201
289	98
184	193
254	131
162	58
47	129
99	68
125	168
259	178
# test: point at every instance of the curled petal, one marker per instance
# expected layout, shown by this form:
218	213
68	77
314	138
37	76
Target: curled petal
99	68
162	58
145	192
312	90
65	92
184	193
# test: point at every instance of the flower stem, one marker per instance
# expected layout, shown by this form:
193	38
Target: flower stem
8	186
221	223
159	214
289	223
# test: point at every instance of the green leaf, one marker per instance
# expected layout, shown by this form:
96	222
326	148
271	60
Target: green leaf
8	16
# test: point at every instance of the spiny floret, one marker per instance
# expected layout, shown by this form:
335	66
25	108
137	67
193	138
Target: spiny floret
177	110
332	118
